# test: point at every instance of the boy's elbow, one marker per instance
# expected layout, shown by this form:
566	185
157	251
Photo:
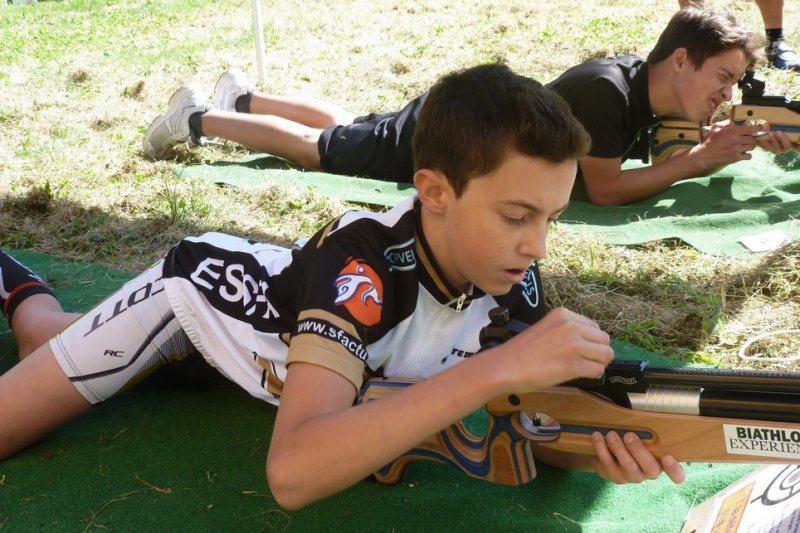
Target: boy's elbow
604	199
604	192
284	486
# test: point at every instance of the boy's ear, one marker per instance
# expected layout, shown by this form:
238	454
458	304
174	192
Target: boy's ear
433	189
680	59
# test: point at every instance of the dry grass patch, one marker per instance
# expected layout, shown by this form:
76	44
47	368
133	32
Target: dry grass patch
79	91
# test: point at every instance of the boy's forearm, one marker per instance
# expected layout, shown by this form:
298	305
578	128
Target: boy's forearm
305	463
619	187
322	455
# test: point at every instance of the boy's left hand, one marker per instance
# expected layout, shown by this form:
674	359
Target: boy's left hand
775	141
627	460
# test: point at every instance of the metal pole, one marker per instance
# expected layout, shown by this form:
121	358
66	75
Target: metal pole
258	31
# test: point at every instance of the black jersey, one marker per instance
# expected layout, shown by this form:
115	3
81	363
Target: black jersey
610	98
363	296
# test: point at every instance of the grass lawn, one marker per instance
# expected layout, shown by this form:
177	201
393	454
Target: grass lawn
82	79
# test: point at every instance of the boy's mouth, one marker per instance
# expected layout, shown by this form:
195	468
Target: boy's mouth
515	274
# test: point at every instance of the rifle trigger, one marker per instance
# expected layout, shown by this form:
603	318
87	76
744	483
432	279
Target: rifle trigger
539	429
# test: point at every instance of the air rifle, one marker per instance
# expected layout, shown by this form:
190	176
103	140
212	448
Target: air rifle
676	134
693	414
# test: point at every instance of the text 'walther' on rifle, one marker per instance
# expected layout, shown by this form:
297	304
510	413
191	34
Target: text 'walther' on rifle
693	414
676	135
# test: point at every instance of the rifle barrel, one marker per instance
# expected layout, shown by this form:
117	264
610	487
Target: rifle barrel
752	405
725	380
775	407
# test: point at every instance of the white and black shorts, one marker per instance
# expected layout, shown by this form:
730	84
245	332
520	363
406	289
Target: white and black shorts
156	319
122	340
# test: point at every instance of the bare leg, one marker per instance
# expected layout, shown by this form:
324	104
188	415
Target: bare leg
267	133
36	320
305	111
33	311
771	12
35	398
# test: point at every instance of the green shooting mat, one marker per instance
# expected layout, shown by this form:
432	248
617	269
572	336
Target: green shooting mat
261	170
711	214
186	452
748	198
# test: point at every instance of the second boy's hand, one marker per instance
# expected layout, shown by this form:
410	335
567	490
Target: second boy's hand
724	143
776	142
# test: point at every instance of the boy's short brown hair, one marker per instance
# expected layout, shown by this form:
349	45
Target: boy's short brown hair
704	34
472	117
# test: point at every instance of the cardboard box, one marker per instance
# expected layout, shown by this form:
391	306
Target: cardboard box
765	501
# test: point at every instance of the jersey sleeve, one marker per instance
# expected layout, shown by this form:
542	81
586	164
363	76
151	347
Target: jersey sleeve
593	92
604	122
340	308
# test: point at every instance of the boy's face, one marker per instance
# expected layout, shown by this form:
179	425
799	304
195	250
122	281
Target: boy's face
499	225
701	91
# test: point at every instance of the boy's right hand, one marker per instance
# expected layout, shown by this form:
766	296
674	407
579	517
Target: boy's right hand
724	143
562	346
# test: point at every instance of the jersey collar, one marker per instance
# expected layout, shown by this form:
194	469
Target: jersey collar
431	275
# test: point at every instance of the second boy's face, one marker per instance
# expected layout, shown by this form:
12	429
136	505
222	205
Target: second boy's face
701	91
499	225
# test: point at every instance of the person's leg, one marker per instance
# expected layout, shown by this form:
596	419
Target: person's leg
29	305
36	397
107	350
771	13
286	126
36	320
307	111
780	54
233	92
267	133
281	126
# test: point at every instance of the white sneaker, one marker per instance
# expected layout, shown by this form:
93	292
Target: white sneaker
230	86
172	127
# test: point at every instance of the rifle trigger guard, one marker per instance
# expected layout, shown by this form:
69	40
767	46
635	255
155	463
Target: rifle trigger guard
538	428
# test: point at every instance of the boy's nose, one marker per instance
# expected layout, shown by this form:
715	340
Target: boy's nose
534	246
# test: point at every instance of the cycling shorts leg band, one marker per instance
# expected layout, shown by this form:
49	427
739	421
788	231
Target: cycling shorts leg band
122	340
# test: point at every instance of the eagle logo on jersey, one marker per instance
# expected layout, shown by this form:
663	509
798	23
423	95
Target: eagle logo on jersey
360	290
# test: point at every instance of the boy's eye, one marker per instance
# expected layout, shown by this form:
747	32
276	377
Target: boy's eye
728	79
522	220
514	221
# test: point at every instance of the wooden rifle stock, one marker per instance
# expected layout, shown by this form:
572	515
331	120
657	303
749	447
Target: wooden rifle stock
675	134
693	414
502	455
574	414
